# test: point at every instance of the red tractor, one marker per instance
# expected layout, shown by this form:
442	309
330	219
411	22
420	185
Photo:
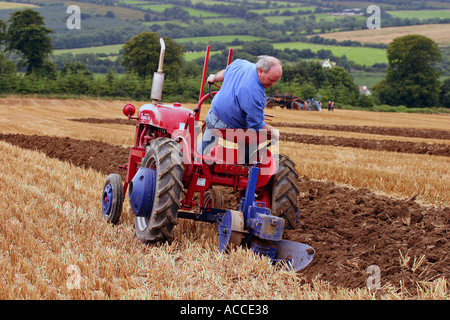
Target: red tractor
167	178
287	100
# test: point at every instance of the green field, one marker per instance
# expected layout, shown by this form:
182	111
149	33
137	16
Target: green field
280	10
191	56
12	5
161	7
421	15
224	21
360	55
319	17
225	39
329	18
112	50
155	7
161	23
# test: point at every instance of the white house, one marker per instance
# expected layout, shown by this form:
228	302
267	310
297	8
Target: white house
326	63
364	90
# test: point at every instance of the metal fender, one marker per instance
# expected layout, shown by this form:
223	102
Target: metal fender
169	117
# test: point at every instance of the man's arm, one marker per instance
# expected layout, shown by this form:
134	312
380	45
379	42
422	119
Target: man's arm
218	77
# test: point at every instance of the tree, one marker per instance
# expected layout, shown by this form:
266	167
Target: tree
141	55
340	86
411	79
8	74
445	93
28	35
2	31
258	48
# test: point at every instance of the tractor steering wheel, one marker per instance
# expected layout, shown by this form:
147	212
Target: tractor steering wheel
209	89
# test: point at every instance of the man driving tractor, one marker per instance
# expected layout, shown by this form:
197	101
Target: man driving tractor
241	100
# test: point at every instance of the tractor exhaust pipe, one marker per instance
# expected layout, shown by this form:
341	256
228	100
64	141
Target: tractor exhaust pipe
158	77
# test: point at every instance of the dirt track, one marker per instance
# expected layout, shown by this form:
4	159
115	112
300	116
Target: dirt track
350	229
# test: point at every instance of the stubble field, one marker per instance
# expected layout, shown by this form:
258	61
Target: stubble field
374	191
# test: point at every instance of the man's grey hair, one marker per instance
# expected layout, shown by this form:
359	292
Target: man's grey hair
266	62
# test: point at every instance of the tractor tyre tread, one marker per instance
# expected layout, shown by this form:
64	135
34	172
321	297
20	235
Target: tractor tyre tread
165	155
117	201
285	191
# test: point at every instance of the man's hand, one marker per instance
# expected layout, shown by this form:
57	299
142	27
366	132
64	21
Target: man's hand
218	77
274	133
211	78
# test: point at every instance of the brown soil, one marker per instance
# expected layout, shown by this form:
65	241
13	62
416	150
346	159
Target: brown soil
103	157
110	121
386	131
349	229
369	144
353	229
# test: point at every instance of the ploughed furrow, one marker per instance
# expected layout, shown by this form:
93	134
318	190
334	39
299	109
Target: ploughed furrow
360	143
385	131
369	144
103	157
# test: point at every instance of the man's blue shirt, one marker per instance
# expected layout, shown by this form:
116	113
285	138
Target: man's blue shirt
241	100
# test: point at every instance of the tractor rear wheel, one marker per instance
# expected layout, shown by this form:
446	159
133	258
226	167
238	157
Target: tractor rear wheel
270	104
163	155
112	198
285	192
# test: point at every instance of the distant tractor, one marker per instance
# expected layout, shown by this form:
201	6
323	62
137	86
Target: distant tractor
287	100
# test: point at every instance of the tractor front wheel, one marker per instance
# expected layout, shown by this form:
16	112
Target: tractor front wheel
164	156
112	199
285	192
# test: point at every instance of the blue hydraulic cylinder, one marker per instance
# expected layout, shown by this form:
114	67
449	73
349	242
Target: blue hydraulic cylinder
249	197
258	219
